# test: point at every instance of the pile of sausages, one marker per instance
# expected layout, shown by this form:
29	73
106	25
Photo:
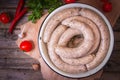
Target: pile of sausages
85	30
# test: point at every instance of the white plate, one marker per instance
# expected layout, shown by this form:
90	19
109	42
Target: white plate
43	49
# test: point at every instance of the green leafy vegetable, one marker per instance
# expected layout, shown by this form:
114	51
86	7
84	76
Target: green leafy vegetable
37	7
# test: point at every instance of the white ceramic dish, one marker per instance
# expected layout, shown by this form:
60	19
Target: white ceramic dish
43	50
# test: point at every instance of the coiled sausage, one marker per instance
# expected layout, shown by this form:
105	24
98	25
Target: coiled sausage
56	59
82	49
105	37
56	19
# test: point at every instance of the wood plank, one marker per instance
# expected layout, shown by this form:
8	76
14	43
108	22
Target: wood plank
10	74
117	37
112	67
4	36
10	53
10	4
116	52
115	57
116	46
2	62
16	66
110	76
18	63
13	61
117	28
8	44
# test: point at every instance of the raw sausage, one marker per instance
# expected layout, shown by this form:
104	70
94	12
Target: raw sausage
56	19
67	35
64	39
82	49
79	61
56	59
94	28
105	37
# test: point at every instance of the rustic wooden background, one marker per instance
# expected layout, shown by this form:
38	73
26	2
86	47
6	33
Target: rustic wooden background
15	65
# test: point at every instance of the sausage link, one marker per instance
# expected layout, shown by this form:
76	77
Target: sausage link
67	35
94	28
105	37
56	19
82	49
79	61
56	59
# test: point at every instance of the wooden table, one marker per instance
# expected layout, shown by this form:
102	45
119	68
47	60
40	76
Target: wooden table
16	65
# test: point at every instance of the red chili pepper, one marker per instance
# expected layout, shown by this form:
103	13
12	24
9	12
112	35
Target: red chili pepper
16	19
19	7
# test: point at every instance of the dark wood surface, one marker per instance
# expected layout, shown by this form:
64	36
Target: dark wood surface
15	65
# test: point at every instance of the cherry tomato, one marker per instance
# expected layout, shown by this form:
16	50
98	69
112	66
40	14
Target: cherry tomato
26	46
107	6
69	1
4	17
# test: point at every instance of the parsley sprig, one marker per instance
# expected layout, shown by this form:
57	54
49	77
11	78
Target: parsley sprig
37	7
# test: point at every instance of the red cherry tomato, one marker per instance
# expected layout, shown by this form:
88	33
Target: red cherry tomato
26	46
107	7
4	18
69	1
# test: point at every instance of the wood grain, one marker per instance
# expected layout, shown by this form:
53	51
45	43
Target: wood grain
24	69
108	76
11	74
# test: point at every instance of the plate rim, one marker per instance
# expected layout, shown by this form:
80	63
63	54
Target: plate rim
81	5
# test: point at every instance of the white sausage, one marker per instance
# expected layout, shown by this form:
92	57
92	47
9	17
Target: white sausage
105	37
82	49
67	35
64	39
94	28
56	19
56	59
79	61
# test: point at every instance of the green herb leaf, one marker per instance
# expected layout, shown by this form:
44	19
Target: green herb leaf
37	7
